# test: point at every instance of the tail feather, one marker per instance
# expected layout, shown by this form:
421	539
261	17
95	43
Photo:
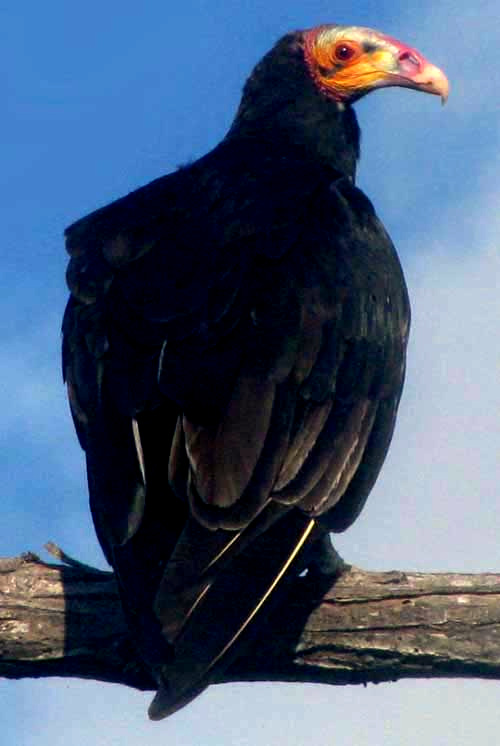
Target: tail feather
229	608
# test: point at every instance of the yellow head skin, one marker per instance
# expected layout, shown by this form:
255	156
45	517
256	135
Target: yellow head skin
347	62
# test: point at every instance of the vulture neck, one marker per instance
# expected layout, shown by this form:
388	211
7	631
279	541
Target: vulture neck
282	106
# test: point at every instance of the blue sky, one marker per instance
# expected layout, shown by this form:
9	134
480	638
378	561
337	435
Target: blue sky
101	98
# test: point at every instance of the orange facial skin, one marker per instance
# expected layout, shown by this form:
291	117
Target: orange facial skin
347	62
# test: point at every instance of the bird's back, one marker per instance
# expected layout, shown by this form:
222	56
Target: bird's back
234	351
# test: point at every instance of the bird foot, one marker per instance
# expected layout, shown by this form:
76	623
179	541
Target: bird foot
326	560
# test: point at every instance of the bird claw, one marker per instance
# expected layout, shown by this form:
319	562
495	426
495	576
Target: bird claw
326	560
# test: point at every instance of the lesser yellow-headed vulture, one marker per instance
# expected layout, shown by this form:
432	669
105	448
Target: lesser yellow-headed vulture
234	352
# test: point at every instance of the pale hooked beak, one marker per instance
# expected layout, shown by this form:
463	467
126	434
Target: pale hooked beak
432	80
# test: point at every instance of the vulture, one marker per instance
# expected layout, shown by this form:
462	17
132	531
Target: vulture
234	354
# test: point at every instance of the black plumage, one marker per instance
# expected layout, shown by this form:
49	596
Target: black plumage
234	350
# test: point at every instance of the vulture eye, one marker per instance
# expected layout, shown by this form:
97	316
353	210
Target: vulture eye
345	51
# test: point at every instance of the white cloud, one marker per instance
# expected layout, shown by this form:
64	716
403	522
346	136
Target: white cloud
31	379
435	505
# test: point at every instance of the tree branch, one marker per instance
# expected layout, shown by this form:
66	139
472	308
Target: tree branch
66	620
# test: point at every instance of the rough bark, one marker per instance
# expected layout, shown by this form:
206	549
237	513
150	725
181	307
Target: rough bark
60	620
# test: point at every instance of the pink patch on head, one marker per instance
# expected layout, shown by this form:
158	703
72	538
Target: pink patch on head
410	62
393	41
406	53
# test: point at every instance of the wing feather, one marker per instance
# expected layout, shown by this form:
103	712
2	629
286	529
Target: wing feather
223	459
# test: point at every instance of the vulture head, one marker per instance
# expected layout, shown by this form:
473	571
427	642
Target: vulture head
300	92
347	62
